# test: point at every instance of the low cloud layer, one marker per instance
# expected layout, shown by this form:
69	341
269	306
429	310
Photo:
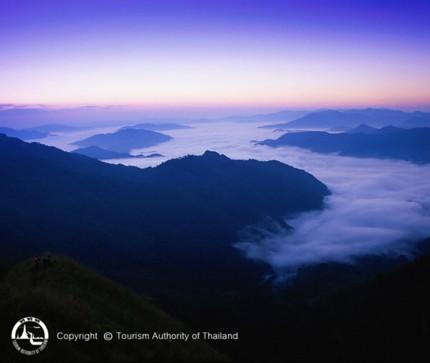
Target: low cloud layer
376	206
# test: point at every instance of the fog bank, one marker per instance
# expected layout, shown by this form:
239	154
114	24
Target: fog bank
376	206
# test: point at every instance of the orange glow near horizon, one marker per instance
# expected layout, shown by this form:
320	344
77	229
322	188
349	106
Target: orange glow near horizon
155	56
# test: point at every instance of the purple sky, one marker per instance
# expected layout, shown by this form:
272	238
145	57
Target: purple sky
201	53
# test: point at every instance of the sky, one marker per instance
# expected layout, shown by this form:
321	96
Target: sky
214	54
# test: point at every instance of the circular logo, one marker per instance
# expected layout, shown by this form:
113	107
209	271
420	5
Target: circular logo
30	336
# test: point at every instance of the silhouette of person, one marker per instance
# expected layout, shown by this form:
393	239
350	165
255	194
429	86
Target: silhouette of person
36	262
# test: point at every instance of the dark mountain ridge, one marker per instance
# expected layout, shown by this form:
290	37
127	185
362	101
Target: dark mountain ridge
387	143
126	220
60	201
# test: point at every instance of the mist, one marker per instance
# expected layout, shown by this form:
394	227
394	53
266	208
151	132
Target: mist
375	206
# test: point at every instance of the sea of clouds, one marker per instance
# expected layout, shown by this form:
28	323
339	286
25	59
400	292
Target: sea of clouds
376	206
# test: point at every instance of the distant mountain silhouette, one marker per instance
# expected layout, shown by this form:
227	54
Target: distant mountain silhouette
101	154
159	223
389	142
56	128
15	115
325	119
382	116
363	129
419	119
124	140
157	126
351	118
24	134
284	115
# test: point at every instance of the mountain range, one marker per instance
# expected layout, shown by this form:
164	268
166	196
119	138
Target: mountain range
353	117
284	115
168	232
364	141
145	226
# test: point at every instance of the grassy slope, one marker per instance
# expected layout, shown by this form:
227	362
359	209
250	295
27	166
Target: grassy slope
71	298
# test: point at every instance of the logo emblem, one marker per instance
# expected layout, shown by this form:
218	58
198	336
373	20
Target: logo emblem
30	336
